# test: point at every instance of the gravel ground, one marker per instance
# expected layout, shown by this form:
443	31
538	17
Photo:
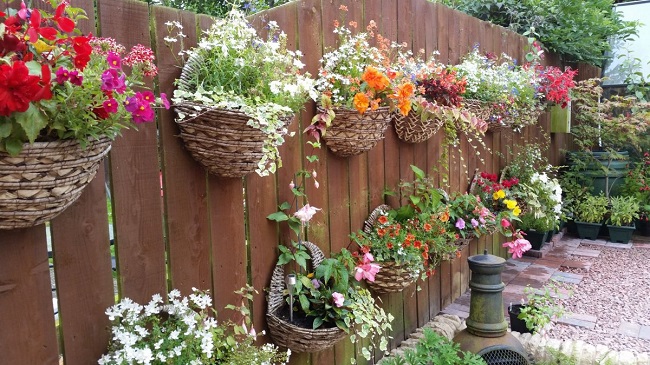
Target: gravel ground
616	289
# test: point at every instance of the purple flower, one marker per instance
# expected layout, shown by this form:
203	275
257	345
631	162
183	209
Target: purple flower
62	75
114	61
315	283
110	105
75	78
338	299
460	223
165	101
132	104
474	223
113	80
140	111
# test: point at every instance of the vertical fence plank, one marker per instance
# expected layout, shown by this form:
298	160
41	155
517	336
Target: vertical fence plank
82	262
185	194
134	170
28	334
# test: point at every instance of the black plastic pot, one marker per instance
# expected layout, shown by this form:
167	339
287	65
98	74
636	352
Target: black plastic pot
643	227
516	324
536	239
620	234
588	230
549	236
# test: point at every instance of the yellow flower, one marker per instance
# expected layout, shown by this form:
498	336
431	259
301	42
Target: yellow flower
516	211
310	275
511	204
42	46
499	195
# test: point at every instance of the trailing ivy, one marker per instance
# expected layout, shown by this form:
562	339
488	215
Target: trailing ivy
577	30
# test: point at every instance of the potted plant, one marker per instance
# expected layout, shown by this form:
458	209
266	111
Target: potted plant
624	210
184	331
540	307
358	88
590	215
499	91
237	94
65	97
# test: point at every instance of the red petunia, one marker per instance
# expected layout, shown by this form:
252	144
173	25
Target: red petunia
18	88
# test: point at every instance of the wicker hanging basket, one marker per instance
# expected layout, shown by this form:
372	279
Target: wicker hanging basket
392	277
412	129
220	140
45	178
495	120
352	133
288	335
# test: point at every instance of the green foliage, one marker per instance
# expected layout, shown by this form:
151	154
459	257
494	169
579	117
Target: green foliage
541	307
577	30
218	8
555	357
637	184
435	349
624	210
592	209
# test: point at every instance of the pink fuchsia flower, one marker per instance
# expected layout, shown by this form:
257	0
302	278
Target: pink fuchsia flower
292	185
316	184
75	78
518	247
305	213
164	100
338	299
505	223
460	223
114	60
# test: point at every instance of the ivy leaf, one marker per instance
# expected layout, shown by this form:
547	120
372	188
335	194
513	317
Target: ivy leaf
278	217
32	121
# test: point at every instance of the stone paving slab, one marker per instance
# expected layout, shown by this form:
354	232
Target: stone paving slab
629	329
586	252
579	320
599	242
626	246
567	277
570	242
577	264
644	332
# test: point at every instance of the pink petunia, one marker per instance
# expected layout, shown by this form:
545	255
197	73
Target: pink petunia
62	75
165	101
110	105
114	60
75	78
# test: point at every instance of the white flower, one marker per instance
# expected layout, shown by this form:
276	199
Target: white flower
306	213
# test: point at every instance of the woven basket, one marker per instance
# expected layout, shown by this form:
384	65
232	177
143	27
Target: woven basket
220	140
45	179
391	278
485	111
288	335
352	133
412	129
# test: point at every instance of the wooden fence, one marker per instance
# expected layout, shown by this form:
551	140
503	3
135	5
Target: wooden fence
211	233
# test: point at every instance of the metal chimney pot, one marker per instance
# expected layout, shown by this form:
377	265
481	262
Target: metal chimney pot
487	330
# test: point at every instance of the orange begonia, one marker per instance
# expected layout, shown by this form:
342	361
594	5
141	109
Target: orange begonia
375	78
361	102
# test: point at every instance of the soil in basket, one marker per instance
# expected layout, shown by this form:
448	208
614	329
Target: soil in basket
300	320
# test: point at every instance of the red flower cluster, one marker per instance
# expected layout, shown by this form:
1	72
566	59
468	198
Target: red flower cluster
18	88
489	184
555	84
444	88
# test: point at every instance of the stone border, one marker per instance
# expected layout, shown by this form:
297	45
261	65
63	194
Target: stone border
537	346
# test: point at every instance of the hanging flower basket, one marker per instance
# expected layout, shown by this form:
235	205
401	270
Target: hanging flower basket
352	133
413	129
392	277
220	140
496	120
289	335
45	178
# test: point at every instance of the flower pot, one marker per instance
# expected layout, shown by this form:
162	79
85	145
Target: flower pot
588	230
516	324
391	278
485	111
45	178
549	236
621	234
412	129
643	227
221	140
536	239
352	133
561	118
290	335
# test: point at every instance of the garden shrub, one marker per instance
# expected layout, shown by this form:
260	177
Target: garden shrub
435	349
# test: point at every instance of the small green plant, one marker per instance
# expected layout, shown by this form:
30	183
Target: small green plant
555	357
435	349
592	209
624	210
541	306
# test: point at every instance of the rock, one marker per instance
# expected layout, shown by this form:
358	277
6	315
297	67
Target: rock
626	358
643	359
443	329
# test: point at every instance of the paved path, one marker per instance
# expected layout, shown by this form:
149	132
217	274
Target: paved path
563	260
